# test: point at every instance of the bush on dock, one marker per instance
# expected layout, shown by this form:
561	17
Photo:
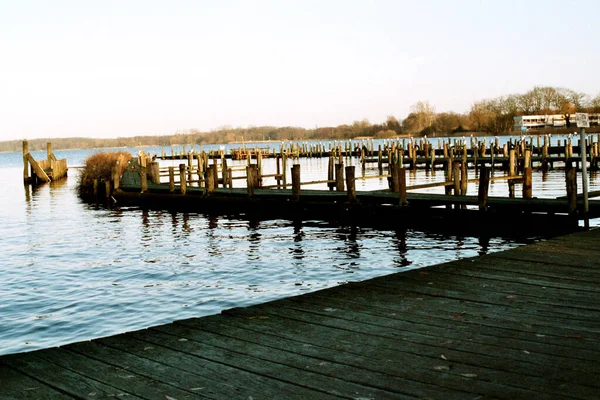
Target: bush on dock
100	166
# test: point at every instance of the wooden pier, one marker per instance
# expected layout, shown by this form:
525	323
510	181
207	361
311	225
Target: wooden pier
42	171
202	185
518	324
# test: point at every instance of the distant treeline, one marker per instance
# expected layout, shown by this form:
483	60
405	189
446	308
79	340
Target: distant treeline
490	116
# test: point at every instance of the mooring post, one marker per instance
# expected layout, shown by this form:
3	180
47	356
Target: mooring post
395	180
278	171
210	181
143	174
95	186
511	172
250	178
339	177
295	182
527	183
484	186
380	160
116	175
199	169
571	181
584	178
464	177
259	178
402	186
284	169
26	177
224	171
351	183
171	179
182	179
456	177
331	172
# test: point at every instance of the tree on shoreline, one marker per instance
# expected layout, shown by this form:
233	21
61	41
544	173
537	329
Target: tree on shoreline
492	116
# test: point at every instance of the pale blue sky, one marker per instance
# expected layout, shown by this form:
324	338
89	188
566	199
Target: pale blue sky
124	68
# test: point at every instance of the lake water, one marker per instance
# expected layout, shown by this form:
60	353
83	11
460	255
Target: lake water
72	271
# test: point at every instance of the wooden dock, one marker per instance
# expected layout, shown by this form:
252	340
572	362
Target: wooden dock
518	324
43	171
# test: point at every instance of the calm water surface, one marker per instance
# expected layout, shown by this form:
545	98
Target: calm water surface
72	271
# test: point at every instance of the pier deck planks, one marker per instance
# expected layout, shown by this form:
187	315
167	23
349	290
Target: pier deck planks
523	323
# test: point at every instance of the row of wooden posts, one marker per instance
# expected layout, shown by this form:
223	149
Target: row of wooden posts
206	175
413	152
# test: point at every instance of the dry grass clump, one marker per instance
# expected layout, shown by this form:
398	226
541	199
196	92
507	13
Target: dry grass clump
99	166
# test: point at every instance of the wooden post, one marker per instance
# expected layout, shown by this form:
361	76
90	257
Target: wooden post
107	191
339	177
380	160
250	178
210	181
456	176
484	185
351	183
95	186
190	159
463	179
331	172
224	171
116	174
402	185
171	179
26	177
571	181
278	171
295	181
182	179
395	181
144	178
49	152
283	169
200	169
527	183
259	168
527	159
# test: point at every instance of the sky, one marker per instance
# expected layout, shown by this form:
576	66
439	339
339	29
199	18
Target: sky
108	69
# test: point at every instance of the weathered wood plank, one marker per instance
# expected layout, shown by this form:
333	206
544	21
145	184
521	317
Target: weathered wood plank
63	379
302	377
230	381
384	349
24	387
431	370
325	366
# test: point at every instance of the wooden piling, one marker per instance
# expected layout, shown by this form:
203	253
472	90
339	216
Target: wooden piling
464	178
402	185
484	185
331	173
339	177
571	182
351	183
144	178
395	178
456	178
251	178
116	176
210	180
295	181
527	183
171	179
26	177
182	179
